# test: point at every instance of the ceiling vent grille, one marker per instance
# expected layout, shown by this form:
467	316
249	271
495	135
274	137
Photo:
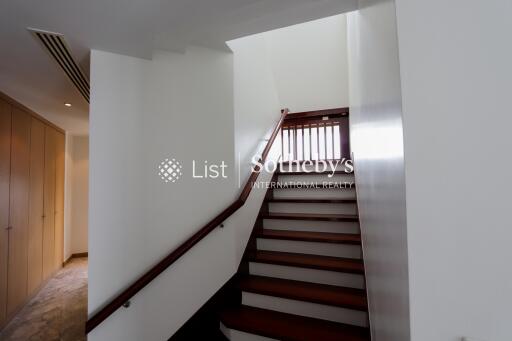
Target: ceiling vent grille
58	49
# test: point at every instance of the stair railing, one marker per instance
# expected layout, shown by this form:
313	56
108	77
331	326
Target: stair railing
316	135
124	297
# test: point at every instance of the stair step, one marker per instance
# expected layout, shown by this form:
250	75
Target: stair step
335	278
305	291
310	216
315	185
312	226
284	326
327	172
321	237
310	248
301	162
329	263
311	201
312	208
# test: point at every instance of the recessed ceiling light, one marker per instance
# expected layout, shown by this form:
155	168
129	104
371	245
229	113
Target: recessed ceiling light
67	104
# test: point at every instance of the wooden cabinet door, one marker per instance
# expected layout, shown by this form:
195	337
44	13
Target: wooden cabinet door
36	211
59	199
18	210
49	203
5	171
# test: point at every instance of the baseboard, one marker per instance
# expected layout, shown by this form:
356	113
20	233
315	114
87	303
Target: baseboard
75	255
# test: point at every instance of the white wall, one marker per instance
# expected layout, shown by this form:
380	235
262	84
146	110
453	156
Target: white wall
281	69
77	195
256	100
177	106
201	105
456	81
310	64
116	187
377	146
257	112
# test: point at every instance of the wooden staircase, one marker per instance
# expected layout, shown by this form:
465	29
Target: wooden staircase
302	277
302	274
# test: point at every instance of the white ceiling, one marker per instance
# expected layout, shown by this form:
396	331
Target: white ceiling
131	27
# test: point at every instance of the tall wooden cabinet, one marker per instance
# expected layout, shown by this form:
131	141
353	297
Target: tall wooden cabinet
18	210
36	207
5	171
31	204
60	146
49	203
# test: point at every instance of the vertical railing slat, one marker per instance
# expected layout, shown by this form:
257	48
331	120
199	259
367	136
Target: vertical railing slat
303	156
318	141
310	144
295	139
325	142
344	138
332	138
289	143
282	144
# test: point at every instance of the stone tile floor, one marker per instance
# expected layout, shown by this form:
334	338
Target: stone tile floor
57	312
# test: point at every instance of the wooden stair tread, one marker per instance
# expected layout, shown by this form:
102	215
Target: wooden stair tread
304	291
307	236
328	263
301	162
311	201
284	326
310	216
316	185
314	173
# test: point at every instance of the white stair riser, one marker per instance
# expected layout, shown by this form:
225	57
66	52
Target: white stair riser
308	225
307	275
236	335
312	248
308	167
312	193
313	208
308	309
316	177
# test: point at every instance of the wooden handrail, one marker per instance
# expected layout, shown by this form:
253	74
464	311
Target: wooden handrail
172	257
335	112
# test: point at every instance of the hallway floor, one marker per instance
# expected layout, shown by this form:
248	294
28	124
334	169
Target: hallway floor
57	312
